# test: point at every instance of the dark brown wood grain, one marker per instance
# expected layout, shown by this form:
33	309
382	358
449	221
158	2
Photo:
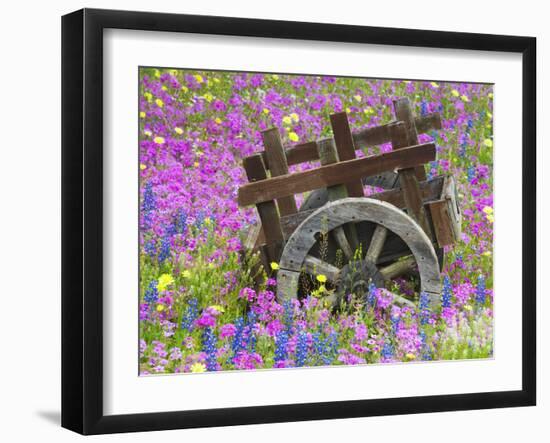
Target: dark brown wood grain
345	148
338	173
441	219
377	135
276	161
403	112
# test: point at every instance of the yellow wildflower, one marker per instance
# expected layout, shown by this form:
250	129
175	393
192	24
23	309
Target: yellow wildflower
488	210
159	102
157	73
455	93
160	308
199	78
348	110
487	253
287	120
142	114
148	133
266	111
434	84
164	281
274	266
357	97
491	218
142	166
148	96
410	356
490	95
218	308
293	136
186	274
464	98
196	164
178	130
468	307
218	120
489	115
159	140
198	367
208	97
488	142
164	88
295	117
184	88
321	278
275	77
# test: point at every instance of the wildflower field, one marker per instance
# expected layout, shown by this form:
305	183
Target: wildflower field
199	306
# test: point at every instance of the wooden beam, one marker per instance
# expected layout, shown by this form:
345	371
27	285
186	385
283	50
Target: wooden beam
377	135
276	160
338	173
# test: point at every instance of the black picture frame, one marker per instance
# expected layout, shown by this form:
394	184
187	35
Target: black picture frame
82	218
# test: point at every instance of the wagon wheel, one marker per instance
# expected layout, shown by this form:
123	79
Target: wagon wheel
297	257
387	180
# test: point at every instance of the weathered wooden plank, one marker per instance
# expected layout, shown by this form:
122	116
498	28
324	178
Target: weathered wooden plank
267	210
404	113
398	268
376	244
441	220
338	173
276	161
408	180
431	190
346	149
449	193
377	135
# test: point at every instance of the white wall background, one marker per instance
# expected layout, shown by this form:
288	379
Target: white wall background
30	219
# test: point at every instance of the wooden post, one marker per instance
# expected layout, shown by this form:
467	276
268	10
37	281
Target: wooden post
267	211
345	146
404	113
277	163
408	181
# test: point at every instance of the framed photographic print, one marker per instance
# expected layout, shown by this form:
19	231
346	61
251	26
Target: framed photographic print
273	221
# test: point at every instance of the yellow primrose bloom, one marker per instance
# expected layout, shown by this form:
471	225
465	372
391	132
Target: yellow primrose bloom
148	133
186	274
275	77
455	93
274	266
157	73
491	218
208	97
142	114
164	88
142	166
357	97
322	278
293	136
218	308
160	307
207	221
488	210
159	140
218	120
199	78
487	253
159	102
434	84
410	356
198	367
148	96
295	117
287	120
488	142
178	130
184	88
164	281
464	98
266	111
489	115
348	110
468	307
196	164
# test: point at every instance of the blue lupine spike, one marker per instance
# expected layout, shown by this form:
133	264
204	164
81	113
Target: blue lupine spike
190	315
209	348
151	294
447	293
480	290
301	349
281	342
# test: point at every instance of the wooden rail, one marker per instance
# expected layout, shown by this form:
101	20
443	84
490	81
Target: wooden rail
338	173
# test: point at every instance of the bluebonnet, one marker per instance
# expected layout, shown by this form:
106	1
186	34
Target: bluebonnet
148	205
471	173
151	294
371	295
164	252
387	350
424	308
281	342
425	350
288	315
395	320
238	343
470	125
423	108
190	315
480	290
251	337
180	222
209	348
447	293
199	219
150	248
301	348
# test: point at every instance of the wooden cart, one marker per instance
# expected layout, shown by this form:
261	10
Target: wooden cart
339	233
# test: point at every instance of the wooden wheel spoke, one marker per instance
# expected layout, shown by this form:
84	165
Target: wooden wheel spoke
342	241
398	268
316	266
376	244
